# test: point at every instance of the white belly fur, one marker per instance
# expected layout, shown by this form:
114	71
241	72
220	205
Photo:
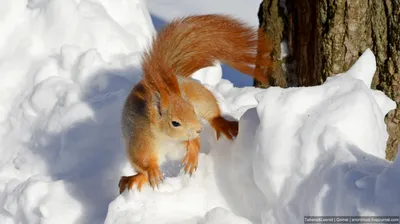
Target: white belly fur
170	150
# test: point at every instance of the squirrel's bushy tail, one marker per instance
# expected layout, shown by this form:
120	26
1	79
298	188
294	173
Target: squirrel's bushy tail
190	43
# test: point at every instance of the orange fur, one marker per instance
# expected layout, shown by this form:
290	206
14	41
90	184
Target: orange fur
207	107
192	155
162	114
191	43
228	128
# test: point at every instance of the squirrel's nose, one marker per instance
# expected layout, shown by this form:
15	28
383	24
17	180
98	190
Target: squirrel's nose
199	131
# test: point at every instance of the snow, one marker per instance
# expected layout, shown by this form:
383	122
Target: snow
67	67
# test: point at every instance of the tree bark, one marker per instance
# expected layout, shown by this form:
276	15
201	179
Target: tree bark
270	20
326	37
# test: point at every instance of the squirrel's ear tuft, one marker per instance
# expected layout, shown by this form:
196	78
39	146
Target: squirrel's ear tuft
157	104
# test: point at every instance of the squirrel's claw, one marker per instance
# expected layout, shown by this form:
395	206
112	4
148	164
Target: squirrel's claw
191	159
191	162
155	177
127	182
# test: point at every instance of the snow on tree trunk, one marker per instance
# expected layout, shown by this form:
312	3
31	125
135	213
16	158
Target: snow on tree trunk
326	37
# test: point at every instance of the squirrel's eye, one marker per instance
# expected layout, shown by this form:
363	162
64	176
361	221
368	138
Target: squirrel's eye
176	124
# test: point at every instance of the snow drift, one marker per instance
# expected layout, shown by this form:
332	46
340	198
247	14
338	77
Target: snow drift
67	67
300	151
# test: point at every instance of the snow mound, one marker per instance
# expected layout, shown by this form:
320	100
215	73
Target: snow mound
300	151
67	68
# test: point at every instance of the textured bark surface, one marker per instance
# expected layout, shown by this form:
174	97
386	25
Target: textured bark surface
389	77
326	37
272	24
304	35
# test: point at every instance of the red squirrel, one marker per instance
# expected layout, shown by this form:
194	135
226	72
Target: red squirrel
162	115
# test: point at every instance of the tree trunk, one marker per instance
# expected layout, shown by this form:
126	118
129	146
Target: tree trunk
326	37
271	23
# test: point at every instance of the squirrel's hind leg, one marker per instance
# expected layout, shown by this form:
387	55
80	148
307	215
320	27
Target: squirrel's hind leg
228	128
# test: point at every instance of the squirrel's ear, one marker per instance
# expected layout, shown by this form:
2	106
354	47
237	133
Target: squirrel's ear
157	104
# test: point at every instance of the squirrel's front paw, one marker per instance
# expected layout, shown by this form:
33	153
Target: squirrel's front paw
129	181
192	156
191	160
229	128
154	177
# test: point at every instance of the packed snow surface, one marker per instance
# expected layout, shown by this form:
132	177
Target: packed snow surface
66	69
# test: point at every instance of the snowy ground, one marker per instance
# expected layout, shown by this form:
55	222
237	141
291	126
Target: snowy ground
67	67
